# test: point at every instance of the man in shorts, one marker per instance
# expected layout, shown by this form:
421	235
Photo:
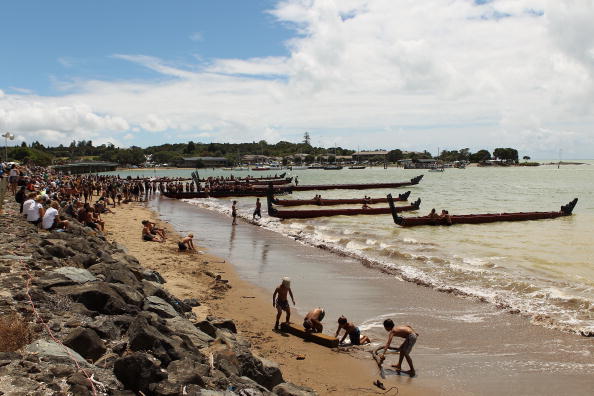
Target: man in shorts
313	320
280	300
410	338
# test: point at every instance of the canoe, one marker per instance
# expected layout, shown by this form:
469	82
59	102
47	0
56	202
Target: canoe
356	167
317	338
257	182
333	167
565	210
282	176
330	202
309	214
312	187
225	193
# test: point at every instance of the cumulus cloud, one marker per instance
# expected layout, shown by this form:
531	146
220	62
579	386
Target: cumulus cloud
402	73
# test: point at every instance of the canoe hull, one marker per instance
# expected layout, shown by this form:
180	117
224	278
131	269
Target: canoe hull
305	187
331	202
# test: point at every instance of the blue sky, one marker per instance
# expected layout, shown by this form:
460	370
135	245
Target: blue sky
62	40
356	73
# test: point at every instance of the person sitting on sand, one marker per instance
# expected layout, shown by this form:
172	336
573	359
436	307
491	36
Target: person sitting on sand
352	331
410	338
147	235
51	219
281	302
186	243
313	320
154	230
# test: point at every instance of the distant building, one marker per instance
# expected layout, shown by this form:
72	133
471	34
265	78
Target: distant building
193	162
419	163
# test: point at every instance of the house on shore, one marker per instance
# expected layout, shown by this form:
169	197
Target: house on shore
76	168
362	156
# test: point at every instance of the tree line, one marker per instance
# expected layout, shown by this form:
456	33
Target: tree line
174	153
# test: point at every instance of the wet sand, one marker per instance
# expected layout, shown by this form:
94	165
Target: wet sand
465	346
329	372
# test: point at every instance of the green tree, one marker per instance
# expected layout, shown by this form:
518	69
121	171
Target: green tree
480	156
306	139
190	148
395	155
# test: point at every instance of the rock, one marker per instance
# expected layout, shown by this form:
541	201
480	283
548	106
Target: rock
61	370
115	272
224	324
77	275
207	327
187	371
128	293
192	302
111	327
166	388
97	296
86	342
183	327
55	351
153	276
79	384
58	248
159	306
148	333
289	389
137	371
263	371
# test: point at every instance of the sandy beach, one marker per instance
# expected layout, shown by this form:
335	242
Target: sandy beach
325	370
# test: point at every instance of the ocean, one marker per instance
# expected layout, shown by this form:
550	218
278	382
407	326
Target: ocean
542	270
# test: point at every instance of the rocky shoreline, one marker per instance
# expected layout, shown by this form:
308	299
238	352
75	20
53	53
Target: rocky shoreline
80	316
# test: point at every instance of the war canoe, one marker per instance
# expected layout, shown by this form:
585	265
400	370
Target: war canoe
225	193
330	202
309	214
365	186
565	210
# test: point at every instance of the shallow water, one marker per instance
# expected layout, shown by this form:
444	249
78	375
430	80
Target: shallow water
542	269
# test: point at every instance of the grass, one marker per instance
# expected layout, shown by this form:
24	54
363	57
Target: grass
15	332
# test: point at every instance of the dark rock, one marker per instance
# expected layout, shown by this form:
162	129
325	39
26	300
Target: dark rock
137	371
61	370
115	273
153	276
289	389
263	371
185	329
207	327
77	275
107	361
187	371
159	306
97	296
192	302
79	384
111	327
86	342
166	388
224	324
55	352
128	293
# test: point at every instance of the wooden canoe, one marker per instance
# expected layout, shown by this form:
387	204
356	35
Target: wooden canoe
225	193
309	214
318	338
331	202
565	210
365	186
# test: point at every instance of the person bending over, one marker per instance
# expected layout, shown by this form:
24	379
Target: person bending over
410	338
281	302
352	331
313	320
186	243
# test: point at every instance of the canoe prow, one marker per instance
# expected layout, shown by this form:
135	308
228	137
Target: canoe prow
404	196
568	209
397	219
416	180
317	338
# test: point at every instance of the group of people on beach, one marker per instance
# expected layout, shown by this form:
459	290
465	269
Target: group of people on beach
312	322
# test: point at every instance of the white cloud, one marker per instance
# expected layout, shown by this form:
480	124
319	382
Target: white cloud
196	36
405	73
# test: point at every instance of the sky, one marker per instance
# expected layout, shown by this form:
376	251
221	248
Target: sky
361	74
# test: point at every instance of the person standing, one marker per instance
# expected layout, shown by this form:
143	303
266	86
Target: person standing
258	210
234	212
280	300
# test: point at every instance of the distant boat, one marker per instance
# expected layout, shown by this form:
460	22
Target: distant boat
261	168
299	167
437	169
316	166
357	167
241	168
333	167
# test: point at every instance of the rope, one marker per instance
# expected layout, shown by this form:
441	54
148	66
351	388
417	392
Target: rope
90	378
369	390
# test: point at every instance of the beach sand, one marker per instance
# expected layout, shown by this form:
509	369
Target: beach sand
329	372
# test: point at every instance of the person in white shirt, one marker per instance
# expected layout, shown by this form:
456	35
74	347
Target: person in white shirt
35	212
51	218
28	202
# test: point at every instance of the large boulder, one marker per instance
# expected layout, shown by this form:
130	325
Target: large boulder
55	351
159	306
76	275
97	296
86	342
137	371
187	371
115	272
289	389
185	329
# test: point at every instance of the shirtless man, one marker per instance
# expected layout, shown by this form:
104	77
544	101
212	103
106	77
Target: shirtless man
313	320
186	243
258	211
281	302
352	331
410	338
234	212
433	214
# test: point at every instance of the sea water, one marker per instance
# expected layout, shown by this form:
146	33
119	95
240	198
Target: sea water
542	269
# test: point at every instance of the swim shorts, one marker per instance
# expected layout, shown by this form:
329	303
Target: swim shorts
182	246
355	336
408	343
282	304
